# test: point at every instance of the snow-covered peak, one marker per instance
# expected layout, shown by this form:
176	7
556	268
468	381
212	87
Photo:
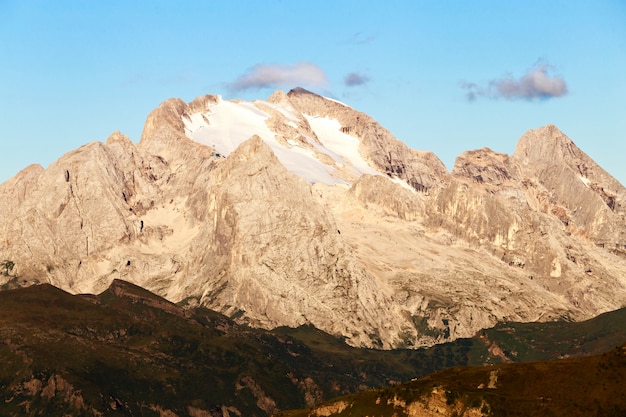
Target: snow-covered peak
312	147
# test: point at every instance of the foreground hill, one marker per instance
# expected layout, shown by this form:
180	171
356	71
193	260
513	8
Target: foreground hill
129	352
591	386
301	210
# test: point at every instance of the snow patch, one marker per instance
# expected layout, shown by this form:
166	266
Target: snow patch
336	101
584	180
403	184
231	123
285	112
343	147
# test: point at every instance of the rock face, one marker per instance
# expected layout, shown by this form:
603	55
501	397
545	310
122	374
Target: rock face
300	209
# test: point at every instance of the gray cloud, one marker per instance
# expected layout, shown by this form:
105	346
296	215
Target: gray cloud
537	83
354	79
303	74
360	38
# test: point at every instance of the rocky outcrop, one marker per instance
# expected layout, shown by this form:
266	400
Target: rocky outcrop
275	254
570	185
390	198
300	209
422	170
82	206
486	167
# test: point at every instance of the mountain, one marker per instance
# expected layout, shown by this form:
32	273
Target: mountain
127	351
302	210
591	386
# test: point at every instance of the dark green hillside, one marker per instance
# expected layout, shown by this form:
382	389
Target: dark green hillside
523	342
130	352
580	387
506	342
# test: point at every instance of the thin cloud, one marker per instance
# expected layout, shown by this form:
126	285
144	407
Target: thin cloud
355	79
360	38
135	79
537	83
260	76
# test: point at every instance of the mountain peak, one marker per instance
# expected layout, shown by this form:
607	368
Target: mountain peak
300	90
300	209
547	148
254	147
542	145
278	97
118	137
484	166
313	144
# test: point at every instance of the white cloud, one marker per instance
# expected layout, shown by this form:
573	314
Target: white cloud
537	83
303	74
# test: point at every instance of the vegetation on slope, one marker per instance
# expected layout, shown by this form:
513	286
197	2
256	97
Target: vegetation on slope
589	386
129	352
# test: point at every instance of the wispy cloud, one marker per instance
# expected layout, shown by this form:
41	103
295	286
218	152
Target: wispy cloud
135	79
355	79
360	38
537	83
303	74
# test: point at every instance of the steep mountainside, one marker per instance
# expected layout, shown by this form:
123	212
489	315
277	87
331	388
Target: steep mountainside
302	210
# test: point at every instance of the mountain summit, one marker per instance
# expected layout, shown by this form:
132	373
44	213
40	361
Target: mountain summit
302	210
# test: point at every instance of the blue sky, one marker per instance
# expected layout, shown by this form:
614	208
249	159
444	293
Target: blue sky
445	76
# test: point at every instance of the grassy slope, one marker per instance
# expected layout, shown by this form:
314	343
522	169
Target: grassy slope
125	356
128	351
543	341
589	386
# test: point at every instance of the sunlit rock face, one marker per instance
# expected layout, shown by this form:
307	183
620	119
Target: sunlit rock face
300	209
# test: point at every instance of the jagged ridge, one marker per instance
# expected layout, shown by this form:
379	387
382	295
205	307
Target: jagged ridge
300	209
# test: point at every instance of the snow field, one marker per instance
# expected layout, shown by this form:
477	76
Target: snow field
231	123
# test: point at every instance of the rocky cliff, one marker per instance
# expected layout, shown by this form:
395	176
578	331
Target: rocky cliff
300	209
